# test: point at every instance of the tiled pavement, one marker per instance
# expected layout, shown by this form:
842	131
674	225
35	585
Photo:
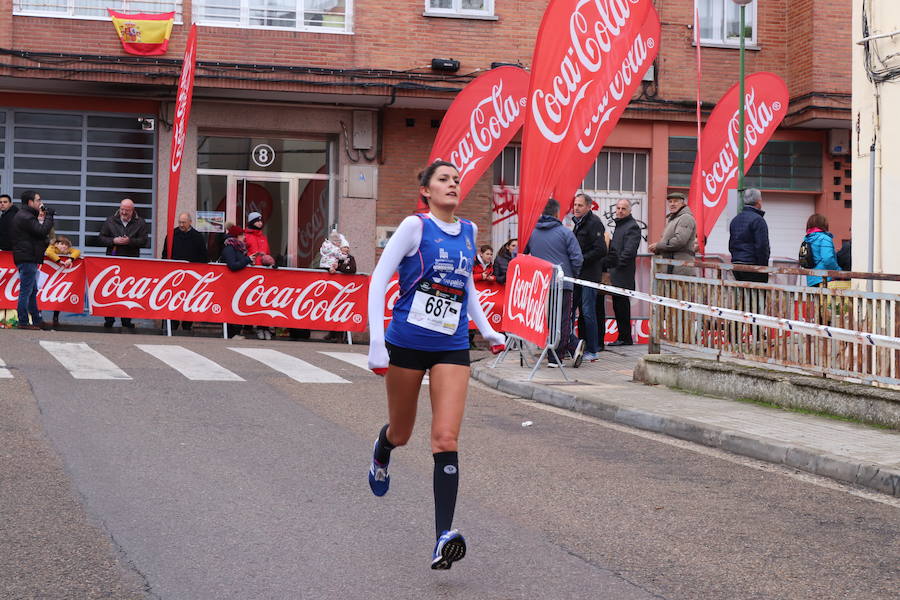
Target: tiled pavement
845	451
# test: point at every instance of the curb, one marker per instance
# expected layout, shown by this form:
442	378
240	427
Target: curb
840	468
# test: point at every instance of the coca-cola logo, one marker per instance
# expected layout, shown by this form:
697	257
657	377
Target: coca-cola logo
391	296
594	26
760	121
9	280
179	131
327	300
492	117
178	290
58	287
526	302
487	298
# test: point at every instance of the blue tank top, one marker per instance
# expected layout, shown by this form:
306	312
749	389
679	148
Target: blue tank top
431	312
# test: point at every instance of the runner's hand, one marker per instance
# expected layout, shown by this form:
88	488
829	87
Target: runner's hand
495	339
378	358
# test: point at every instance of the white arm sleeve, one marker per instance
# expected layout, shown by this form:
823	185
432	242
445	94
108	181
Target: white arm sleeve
404	242
475	312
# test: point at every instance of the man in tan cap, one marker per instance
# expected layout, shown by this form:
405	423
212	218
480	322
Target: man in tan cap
679	238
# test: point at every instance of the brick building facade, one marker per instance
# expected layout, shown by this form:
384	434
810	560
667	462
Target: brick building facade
349	106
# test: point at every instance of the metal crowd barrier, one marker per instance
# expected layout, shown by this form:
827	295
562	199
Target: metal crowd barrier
554	332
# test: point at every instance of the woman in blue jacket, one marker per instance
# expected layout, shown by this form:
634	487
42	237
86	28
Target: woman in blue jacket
819	238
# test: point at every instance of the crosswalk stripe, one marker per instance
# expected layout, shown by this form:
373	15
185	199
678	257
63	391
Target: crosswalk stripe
358	360
82	361
296	369
4	372
190	364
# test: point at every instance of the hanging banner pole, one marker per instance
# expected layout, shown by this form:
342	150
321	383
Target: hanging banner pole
179	130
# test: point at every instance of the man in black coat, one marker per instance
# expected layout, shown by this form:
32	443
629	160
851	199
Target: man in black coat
8	210
623	249
748	242
589	231
124	234
29	244
187	244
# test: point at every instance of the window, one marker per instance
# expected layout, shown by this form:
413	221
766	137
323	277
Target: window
459	8
94	9
782	165
720	22
333	16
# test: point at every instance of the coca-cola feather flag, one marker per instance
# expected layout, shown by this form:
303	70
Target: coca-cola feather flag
715	172
589	59
482	120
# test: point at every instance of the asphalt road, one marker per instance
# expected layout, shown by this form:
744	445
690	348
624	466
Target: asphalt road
158	486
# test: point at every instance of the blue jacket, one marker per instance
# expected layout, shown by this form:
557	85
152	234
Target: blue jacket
822	243
556	244
749	240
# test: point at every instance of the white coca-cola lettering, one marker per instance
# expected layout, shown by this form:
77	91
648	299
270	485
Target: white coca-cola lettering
526	302
492	117
181	106
593	27
311	231
392	294
56	288
486	300
166	294
9	279
322	300
760	123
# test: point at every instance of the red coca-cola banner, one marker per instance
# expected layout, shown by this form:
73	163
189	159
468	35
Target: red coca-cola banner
589	58
766	103
156	289
179	129
62	288
490	296
482	120
528	287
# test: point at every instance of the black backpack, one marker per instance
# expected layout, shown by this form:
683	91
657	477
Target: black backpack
805	257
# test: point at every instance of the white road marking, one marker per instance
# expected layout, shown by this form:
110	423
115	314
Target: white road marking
83	362
4	372
190	364
296	369
358	360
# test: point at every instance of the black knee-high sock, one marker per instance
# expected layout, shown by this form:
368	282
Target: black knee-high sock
446	484
384	447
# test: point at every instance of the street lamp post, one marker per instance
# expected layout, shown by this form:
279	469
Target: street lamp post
742	4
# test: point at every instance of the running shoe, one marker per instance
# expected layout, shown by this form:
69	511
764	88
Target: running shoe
589	357
450	547
379	480
578	355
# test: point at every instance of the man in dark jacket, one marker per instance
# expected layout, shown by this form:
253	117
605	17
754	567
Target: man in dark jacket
623	250
124	234
187	244
589	231
29	243
8	210
749	240
556	244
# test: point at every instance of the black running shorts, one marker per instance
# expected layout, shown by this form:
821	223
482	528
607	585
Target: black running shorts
421	360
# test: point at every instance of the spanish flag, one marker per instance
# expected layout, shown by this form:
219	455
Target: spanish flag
145	35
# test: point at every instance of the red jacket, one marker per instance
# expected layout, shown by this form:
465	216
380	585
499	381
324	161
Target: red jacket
256	242
482	273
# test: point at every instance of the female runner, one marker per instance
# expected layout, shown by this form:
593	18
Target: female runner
435	253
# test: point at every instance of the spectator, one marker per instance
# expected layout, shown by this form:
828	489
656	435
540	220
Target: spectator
822	245
556	244
62	253
506	253
257	242
331	250
844	256
124	234
749	238
621	261
29	243
589	231
346	263
484	267
8	211
187	244
679	238
234	254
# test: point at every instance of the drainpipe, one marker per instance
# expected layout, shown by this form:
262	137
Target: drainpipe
871	265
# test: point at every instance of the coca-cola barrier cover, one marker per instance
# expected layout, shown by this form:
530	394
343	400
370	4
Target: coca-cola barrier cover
528	286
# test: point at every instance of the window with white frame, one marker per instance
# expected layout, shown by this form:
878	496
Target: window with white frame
307	15
94	9
460	8
720	22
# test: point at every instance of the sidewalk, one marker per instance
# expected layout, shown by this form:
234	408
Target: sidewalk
845	451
